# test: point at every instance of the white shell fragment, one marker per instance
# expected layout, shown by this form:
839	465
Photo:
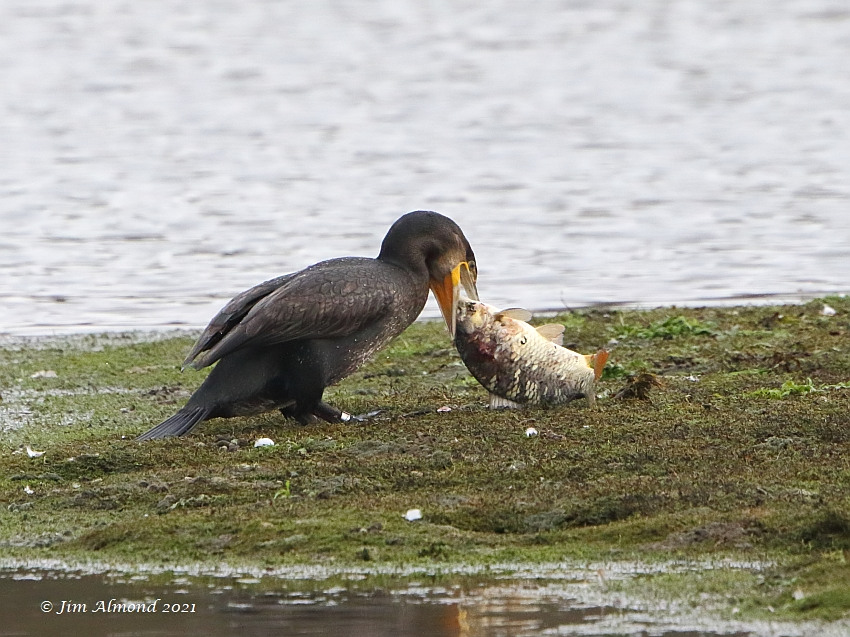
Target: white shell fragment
531	431
443	409
828	310
412	515
44	373
28	490
264	442
33	454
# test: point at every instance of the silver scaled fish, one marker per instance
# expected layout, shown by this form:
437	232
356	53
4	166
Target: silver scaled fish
521	364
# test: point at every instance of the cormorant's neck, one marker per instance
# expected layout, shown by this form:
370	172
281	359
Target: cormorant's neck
408	250
411	261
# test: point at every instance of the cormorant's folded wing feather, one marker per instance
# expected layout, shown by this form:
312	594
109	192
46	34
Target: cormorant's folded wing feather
328	300
230	315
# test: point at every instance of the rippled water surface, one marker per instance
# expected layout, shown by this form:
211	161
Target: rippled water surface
158	156
49	603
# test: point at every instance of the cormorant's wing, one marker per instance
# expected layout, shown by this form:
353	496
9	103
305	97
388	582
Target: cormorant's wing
230	315
328	300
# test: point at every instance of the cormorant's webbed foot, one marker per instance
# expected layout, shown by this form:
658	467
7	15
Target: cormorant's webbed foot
367	415
332	414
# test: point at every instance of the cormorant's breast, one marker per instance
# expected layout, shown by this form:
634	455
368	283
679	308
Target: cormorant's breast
394	298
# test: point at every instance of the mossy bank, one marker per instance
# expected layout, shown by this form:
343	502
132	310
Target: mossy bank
719	433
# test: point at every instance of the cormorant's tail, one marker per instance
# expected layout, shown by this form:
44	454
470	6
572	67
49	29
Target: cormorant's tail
180	423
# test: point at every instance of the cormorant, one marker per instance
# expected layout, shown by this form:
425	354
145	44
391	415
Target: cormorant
279	344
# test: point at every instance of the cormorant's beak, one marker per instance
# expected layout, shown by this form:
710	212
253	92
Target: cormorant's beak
447	292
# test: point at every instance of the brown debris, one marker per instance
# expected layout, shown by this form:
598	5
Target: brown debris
638	386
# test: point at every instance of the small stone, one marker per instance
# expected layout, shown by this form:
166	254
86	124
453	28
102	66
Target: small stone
34	454
264	442
531	431
827	310
412	515
44	373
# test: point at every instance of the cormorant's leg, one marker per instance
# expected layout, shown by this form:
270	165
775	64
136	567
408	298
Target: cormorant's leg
302	417
324	411
331	414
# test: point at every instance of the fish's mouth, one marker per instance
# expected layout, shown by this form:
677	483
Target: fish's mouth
448	290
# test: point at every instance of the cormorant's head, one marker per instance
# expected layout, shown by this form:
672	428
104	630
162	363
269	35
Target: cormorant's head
429	242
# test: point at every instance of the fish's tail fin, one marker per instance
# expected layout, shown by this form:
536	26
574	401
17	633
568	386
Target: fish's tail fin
597	362
179	424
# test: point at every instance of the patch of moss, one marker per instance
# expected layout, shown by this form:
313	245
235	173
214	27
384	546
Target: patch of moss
827	529
668	328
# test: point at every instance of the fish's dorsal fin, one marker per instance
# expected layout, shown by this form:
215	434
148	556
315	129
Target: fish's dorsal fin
552	332
497	402
597	362
515	313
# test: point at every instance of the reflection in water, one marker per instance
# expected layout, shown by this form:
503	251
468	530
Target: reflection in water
158	159
44	605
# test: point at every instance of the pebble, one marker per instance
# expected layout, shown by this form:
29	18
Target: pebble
412	515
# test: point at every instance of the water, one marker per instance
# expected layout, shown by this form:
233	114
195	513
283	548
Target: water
158	157
49	603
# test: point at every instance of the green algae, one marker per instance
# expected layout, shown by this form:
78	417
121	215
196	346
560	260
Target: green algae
738	450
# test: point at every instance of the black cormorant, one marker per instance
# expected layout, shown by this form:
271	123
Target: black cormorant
279	344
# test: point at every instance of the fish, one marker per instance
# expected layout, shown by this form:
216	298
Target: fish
520	364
